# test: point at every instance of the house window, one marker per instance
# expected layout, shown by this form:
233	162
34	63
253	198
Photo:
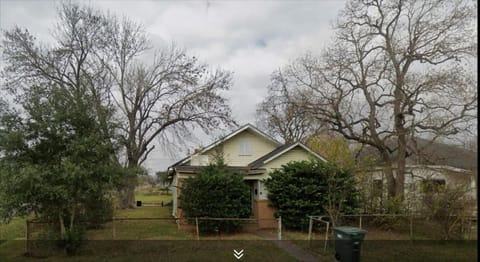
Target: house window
432	185
245	148
377	188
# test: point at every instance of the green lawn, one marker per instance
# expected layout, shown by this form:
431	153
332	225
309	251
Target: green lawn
164	228
14	230
217	248
152	195
12	236
379	245
128	248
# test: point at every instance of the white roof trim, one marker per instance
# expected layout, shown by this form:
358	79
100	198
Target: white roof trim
290	148
234	133
454	169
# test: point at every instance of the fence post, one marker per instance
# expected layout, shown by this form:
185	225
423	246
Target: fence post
411	226
310	225
326	237
27	236
196	227
114	233
280	228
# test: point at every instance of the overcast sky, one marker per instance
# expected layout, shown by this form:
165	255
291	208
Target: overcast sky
249	38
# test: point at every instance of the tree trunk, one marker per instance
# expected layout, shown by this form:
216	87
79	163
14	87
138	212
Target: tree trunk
401	156
401	162
388	171
62	226
391	183
399	118
72	218
127	194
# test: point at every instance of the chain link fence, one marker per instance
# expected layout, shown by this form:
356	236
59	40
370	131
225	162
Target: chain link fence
41	236
211	228
399	227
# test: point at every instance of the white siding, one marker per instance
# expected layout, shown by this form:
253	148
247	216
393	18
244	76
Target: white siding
296	154
259	146
415	174
199	160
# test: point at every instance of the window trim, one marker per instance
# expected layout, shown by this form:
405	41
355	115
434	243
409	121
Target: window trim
433	185
245	148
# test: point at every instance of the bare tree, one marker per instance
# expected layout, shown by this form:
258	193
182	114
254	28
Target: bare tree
280	118
70	63
450	205
100	54
164	100
167	100
398	69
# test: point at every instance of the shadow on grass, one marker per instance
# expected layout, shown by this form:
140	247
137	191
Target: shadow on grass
401	250
254	250
153	250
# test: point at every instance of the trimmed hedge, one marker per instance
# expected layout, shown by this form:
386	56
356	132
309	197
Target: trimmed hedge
300	189
216	192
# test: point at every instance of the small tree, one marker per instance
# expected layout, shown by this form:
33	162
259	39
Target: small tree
306	188
57	161
447	206
216	192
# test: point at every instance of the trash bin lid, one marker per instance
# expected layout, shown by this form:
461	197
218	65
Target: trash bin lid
352	231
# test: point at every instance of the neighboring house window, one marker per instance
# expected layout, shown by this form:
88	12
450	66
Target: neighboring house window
432	185
377	188
245	148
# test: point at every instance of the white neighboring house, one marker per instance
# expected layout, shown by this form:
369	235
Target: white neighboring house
421	178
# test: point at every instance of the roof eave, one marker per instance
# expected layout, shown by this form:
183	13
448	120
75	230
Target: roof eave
286	150
234	133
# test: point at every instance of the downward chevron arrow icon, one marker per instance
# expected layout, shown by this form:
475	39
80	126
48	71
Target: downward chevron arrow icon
238	254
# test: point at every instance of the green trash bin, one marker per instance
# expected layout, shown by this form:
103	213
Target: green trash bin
348	241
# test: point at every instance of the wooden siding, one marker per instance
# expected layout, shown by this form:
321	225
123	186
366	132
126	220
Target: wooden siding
296	154
231	149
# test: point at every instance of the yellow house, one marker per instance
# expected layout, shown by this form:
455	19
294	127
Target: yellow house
249	152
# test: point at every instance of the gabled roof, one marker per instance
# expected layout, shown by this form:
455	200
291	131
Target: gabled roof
431	167
234	169
280	151
436	153
227	137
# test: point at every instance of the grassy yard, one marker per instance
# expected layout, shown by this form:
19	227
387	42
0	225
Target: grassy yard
400	250
14	230
131	240
151	195
390	246
144	240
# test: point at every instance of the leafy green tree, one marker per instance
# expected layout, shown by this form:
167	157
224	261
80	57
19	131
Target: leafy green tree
305	188
216	192
159	101
56	158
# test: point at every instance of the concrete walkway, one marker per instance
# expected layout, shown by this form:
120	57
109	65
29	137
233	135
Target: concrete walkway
292	249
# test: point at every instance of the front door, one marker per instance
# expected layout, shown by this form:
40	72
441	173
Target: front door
252	185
